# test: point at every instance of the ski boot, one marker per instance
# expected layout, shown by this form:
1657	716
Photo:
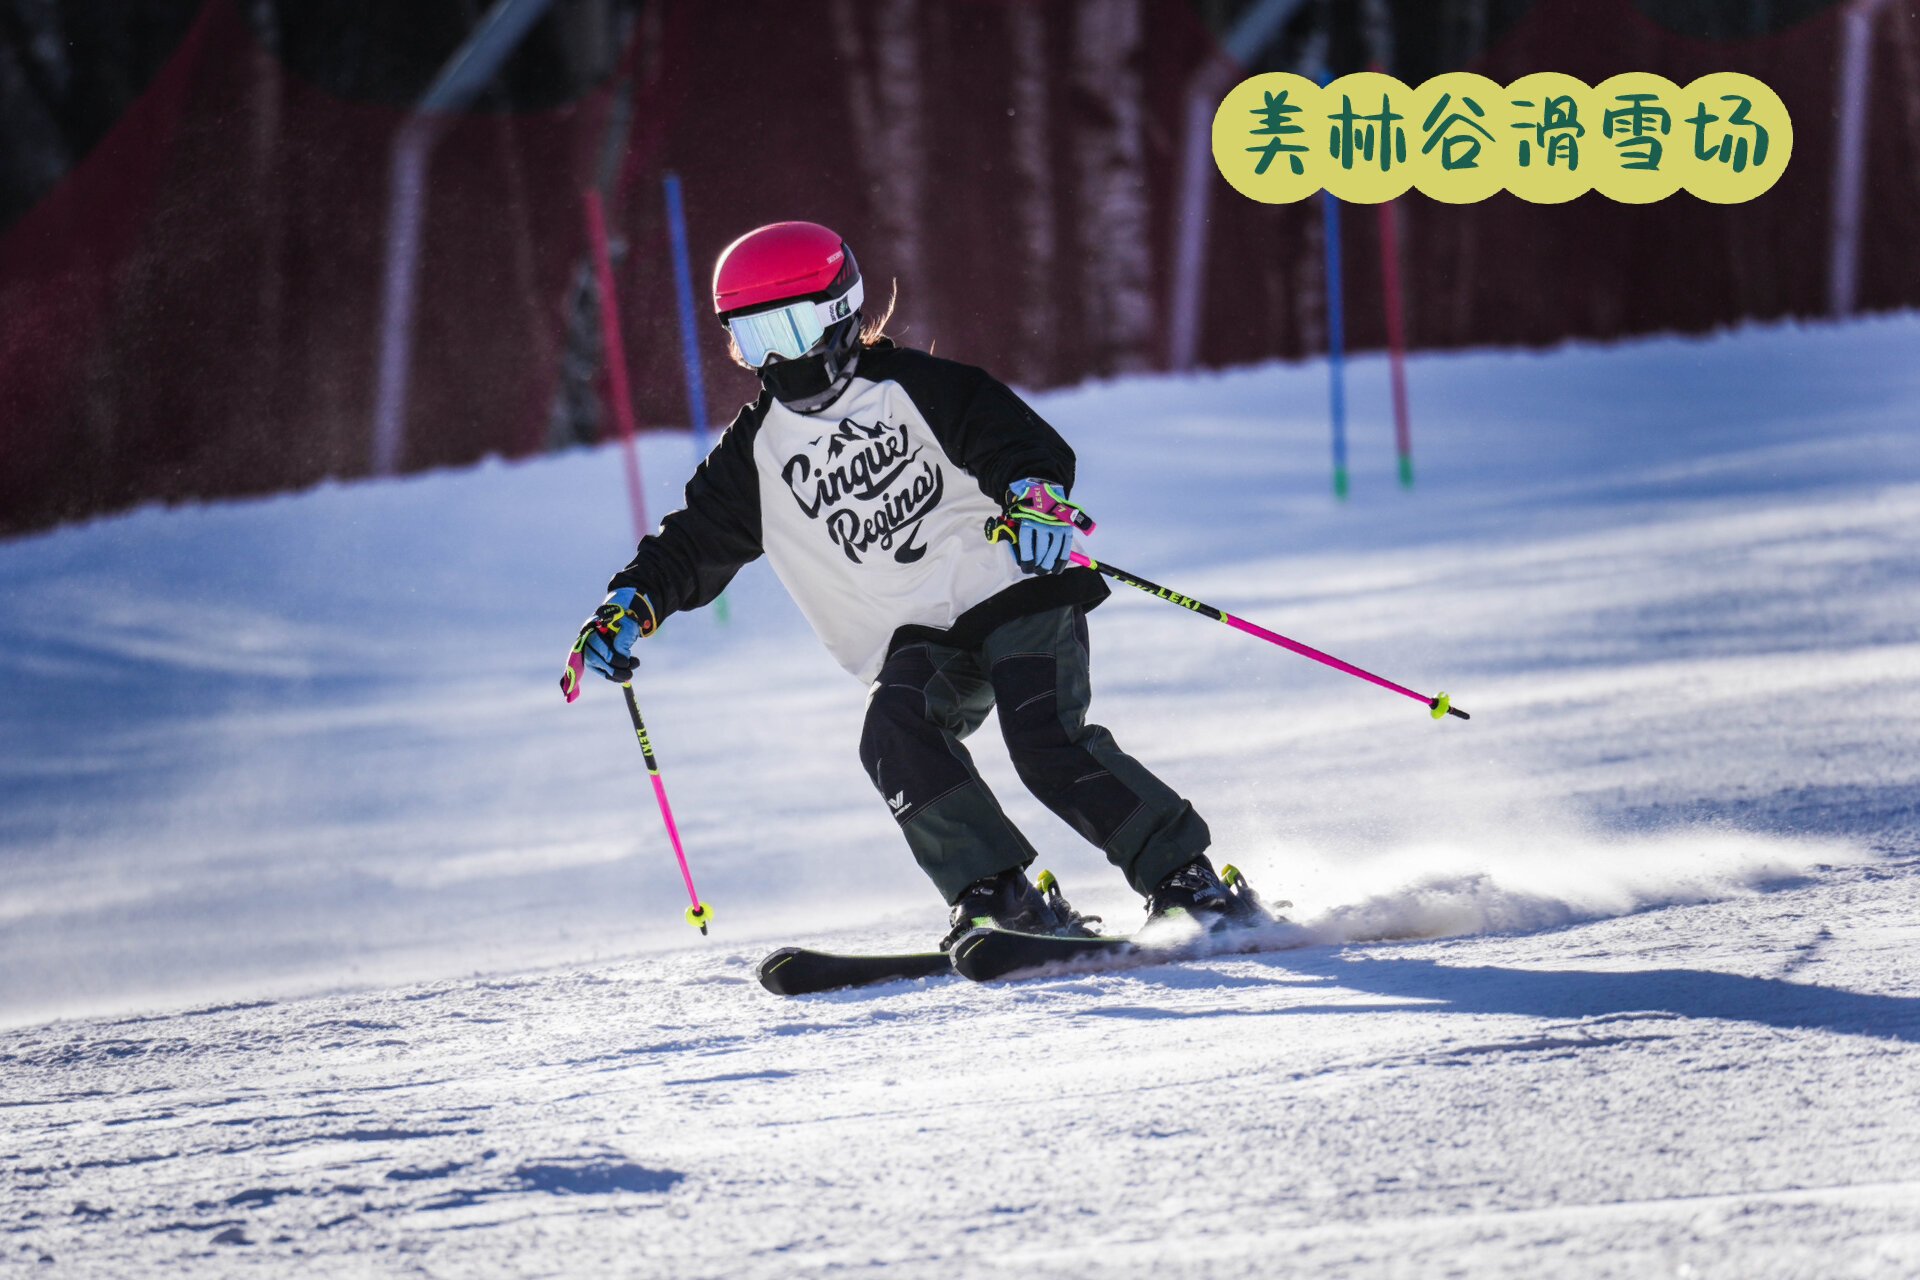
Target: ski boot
1264	912
1210	900
1073	924
1011	901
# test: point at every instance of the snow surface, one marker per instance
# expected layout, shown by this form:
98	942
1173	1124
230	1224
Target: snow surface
367	949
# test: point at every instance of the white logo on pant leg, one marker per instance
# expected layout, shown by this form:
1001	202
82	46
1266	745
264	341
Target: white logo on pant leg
899	804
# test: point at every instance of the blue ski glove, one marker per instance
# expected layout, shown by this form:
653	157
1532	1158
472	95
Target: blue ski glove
1039	524
606	640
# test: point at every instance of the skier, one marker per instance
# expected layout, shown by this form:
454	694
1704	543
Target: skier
918	513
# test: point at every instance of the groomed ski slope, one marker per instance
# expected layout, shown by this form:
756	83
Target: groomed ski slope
369	955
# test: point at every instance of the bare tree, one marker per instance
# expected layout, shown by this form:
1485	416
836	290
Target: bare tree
1035	209
1109	146
886	100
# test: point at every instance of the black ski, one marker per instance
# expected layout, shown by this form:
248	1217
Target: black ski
987	954
990	955
796	971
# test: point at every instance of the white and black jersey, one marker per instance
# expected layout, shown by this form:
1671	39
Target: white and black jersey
872	510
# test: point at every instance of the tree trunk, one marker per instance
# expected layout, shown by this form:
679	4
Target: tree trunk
1116	252
1038	318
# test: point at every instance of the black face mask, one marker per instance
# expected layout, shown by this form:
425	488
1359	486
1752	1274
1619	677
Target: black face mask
798	381
813	381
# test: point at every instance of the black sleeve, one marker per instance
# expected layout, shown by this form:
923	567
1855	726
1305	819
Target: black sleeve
717	532
981	424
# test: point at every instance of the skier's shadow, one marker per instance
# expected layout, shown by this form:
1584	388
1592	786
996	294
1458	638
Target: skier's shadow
1576	994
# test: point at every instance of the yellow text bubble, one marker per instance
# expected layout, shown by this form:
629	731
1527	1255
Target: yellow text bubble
1364	139
1737	137
1459	157
1265	133
1459	138
1641	158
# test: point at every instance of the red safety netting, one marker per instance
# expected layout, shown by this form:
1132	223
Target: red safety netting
194	311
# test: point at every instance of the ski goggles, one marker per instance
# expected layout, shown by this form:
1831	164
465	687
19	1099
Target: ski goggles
790	331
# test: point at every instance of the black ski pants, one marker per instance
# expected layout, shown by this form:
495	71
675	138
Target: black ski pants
930	696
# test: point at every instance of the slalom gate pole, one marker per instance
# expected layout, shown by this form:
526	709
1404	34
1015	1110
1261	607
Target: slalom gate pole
1336	333
1336	344
689	326
689	332
1440	705
615	352
1395	304
699	913
1396	336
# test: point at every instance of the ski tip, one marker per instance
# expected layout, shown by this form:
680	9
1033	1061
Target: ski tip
802	971
969	942
986	955
769	970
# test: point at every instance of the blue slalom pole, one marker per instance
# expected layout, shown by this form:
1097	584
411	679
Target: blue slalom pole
1336	344
689	330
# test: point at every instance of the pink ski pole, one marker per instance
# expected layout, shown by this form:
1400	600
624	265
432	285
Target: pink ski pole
1439	705
699	913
